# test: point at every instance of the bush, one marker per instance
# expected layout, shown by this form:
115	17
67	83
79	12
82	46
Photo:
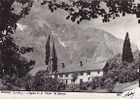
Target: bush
109	84
97	82
120	71
42	81
84	86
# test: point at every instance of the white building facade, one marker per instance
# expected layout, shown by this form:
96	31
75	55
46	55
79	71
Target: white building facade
80	76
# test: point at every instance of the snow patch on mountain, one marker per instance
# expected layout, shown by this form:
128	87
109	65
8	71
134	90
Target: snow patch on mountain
21	27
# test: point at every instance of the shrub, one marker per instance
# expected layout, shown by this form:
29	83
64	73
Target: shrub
109	84
97	82
42	81
120	71
84	86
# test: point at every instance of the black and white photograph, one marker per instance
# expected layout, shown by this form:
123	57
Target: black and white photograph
70	46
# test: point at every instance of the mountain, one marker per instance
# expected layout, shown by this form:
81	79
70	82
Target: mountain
73	42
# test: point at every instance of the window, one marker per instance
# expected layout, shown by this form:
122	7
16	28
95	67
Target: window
98	72
66	81
63	65
47	68
67	75
81	81
81	73
61	75
81	63
88	73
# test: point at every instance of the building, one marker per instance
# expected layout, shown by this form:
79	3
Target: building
77	73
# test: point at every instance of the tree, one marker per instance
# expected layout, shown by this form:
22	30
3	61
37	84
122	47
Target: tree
47	51
120	71
54	59
127	55
51	55
13	65
11	11
79	10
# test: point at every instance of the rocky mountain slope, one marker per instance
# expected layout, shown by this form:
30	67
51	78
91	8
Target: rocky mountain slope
73	42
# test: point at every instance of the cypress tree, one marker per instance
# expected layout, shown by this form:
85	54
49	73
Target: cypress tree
127	55
47	51
54	59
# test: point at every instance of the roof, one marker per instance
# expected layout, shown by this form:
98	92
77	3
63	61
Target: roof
91	66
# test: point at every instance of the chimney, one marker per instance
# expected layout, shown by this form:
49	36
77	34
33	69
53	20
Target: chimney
86	60
63	65
81	63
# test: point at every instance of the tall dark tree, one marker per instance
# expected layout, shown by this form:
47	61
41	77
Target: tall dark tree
127	54
47	58
54	58
13	65
13	60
